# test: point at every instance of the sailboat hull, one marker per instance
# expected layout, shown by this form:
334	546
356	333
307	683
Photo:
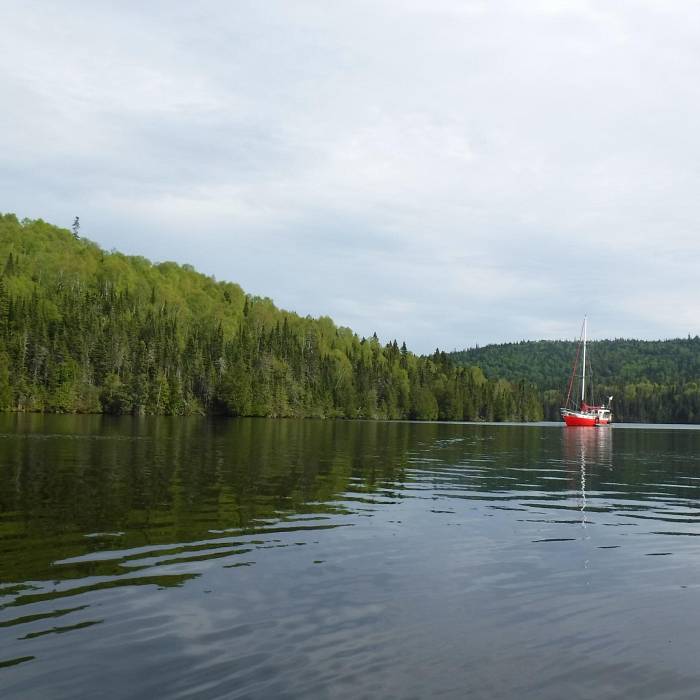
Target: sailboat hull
584	420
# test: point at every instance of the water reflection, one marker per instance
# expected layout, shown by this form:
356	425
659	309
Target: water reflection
141	484
592	446
260	558
586	448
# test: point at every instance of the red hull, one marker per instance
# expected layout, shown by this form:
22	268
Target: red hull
584	421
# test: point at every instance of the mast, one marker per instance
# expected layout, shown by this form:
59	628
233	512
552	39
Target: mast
583	376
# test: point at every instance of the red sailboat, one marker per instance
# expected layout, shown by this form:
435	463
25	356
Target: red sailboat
586	415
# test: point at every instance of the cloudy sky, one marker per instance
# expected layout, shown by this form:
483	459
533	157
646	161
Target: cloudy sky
448	172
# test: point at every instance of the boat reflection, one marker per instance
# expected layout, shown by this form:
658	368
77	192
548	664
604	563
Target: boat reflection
587	447
585	450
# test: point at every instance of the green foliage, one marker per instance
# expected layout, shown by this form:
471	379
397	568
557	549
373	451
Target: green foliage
84	330
5	390
652	381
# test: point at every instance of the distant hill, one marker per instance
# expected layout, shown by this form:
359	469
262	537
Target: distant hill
86	330
652	380
547	363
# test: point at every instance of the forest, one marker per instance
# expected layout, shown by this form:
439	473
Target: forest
84	330
652	381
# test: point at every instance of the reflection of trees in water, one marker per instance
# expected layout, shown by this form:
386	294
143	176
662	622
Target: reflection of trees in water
165	480
168	480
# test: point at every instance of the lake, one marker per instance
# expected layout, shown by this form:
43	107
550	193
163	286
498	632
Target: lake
252	558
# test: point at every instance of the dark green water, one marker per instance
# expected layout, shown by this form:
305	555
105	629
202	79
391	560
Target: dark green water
192	558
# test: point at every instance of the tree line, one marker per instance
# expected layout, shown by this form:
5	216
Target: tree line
86	330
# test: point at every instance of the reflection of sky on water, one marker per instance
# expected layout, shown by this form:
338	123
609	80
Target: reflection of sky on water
310	559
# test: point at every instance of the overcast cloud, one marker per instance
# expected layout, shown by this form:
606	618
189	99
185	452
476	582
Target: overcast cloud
444	172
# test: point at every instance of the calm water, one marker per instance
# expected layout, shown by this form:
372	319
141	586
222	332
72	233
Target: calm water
148	558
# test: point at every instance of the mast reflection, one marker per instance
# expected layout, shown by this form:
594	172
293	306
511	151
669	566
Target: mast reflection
585	449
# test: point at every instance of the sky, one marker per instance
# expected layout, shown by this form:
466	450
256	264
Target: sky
444	172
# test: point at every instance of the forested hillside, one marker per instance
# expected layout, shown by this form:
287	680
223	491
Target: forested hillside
85	330
652	381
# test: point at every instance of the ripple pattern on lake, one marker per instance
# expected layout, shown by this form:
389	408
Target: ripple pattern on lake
194	558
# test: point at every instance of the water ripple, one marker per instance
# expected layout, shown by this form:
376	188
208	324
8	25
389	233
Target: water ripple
305	559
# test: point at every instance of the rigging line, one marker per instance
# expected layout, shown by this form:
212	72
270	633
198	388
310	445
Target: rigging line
573	370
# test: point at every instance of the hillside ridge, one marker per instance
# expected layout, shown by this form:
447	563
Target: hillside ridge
86	330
